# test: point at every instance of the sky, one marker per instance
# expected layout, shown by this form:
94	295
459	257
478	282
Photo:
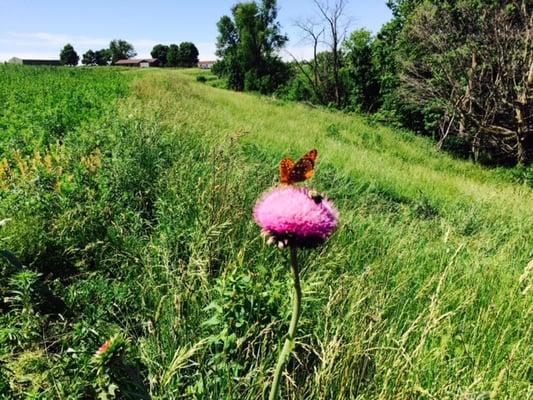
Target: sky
39	29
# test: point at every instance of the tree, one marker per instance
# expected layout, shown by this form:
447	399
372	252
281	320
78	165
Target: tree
120	50
385	49
88	58
160	51
68	55
173	55
468	65
362	83
102	57
313	34
337	26
248	44
401	9
188	55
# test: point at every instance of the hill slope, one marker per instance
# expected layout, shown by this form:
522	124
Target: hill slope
423	292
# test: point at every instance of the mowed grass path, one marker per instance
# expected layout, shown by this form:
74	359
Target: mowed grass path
427	279
398	162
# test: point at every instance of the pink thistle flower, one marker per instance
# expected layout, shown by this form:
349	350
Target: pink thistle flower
296	216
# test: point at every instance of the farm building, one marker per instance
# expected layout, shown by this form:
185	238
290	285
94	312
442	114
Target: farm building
206	64
139	62
22	61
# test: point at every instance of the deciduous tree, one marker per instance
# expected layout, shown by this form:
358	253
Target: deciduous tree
173	55
120	49
88	58
470	64
68	55
361	83
337	25
248	44
160	51
188	55
102	57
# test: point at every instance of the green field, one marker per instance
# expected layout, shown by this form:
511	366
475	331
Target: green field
129	197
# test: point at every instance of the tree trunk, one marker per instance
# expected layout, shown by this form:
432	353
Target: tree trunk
523	108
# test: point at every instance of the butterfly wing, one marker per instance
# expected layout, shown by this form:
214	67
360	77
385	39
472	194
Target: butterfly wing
285	167
303	169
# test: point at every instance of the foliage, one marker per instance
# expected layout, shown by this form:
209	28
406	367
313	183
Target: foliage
120	49
102	57
361	78
248	46
188	55
99	57
439	68
314	82
88	58
184	55
160	51
173	55
138	223
473	80
68	55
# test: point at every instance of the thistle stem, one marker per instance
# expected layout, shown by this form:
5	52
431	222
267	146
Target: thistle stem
289	340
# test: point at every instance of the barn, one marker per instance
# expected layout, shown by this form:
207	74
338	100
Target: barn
139	62
16	60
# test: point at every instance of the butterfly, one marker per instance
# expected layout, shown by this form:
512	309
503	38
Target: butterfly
291	172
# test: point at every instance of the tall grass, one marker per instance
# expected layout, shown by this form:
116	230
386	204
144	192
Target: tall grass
422	293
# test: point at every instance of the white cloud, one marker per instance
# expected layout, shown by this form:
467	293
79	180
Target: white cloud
47	45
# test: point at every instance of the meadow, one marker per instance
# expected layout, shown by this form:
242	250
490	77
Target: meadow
125	208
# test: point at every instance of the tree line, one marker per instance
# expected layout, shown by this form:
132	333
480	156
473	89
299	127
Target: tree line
183	55
458	70
118	49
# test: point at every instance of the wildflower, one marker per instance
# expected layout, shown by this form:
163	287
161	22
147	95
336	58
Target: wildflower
103	348
111	348
296	216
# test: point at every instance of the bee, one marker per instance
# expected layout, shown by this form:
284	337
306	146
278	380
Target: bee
316	196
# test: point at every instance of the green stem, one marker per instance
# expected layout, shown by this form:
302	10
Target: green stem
289	340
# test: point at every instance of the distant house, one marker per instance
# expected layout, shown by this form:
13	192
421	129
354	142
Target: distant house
139	62
206	64
23	61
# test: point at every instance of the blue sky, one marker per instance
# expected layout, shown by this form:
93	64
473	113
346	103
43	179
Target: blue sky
38	29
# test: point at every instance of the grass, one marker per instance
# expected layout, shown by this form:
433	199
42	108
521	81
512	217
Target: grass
139	223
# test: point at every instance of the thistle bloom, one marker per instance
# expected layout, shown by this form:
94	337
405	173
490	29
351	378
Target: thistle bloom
109	349
296	216
103	348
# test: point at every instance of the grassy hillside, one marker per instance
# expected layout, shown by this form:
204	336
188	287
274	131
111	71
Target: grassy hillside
139	223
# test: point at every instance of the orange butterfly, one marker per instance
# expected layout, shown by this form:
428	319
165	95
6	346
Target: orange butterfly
291	172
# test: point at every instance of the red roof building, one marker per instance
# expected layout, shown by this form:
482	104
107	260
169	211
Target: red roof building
139	62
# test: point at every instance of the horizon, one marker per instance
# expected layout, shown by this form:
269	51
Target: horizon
35	30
